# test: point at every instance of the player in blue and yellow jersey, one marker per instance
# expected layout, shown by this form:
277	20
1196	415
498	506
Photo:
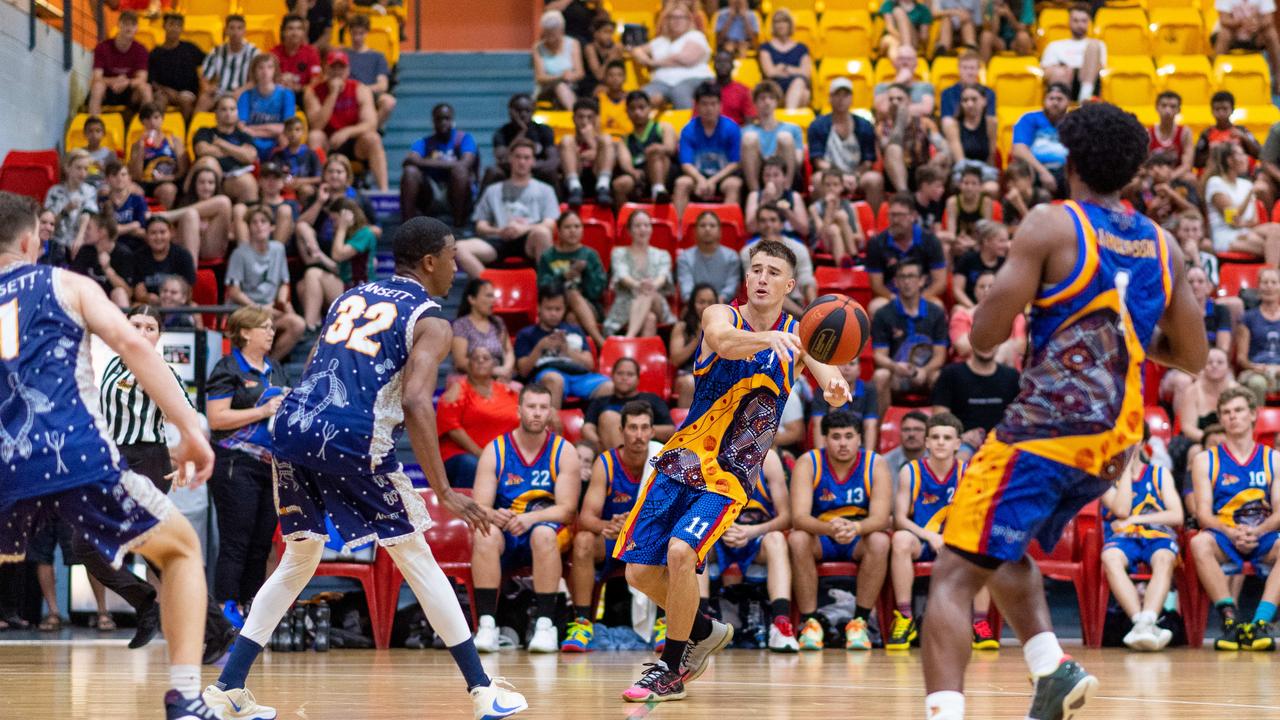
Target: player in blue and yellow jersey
1107	290
841	498
57	460
1237	492
924	491
371	376
744	367
530	478
610	495
1139	517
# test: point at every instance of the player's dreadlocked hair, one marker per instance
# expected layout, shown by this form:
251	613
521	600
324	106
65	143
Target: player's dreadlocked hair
1105	145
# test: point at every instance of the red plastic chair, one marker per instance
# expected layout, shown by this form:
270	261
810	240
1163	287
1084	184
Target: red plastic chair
866	218
1076	559
1186	587
884	603
733	226
205	292
853	282
997	214
593	213
1234	277
515	296
882	217
1227	257
599	237
1158	422
1267	426
678	416
650	352
33	181
373	579
38	158
571	422
890	436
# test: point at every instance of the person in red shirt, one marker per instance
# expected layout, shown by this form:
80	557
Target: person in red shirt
120	69
344	119
735	98
299	62
473	411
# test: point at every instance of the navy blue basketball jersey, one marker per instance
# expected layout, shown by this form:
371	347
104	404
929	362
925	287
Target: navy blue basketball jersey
759	508
620	489
345	415
527	485
1242	488
52	434
846	497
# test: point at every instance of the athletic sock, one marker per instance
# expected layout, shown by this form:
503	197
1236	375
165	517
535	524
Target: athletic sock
1086	91
239	661
185	679
582	611
780	608
862	613
1226	608
487	601
1043	654
673	653
704	606
701	628
1266	612
572	181
544	605
658	189
944	705
468	660
602	180
1146	616
904	609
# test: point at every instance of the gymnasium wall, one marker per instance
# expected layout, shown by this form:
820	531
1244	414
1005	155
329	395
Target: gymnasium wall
477	25
36	95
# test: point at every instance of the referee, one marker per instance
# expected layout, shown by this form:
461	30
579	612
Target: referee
137	428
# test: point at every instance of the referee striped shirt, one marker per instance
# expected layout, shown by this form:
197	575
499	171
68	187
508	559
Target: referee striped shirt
230	69
131	416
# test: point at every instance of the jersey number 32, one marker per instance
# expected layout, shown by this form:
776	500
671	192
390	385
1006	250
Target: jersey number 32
377	317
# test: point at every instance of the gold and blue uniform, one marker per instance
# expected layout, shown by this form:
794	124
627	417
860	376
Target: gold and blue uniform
1242	498
1140	542
759	509
703	474
525	486
847	497
1079	413
931	498
620	491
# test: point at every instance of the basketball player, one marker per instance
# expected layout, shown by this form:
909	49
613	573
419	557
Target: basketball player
372	372
840	501
1139	515
1236	499
924	490
744	368
1100	278
56	455
611	493
528	480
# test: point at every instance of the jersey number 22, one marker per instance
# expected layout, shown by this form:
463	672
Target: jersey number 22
378	317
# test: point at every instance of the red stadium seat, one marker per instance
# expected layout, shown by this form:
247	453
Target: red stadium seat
374	580
1152	374
450	541
515	296
33	181
884	603
853	282
1076	559
599	237
42	158
733	227
866	218
891	422
205	292
649	352
997	214
882	217
571	422
1228	257
1158	422
1267	426
1234	277
678	416
591	212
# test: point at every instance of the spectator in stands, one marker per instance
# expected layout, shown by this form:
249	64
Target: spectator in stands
602	428
473	411
1011	351
106	260
127	207
157	159
284	213
175	301
777	191
557	62
1195	407
1219	317
768	138
600	54
971	137
909	336
686	335
835	225
645	155
264	106
300	162
48	224
976	390
843	143
514	218
991	246
862	404
318	17
299	61
440	171
1233	207
476	326
1168	136
555	353
95	131
523	127
904	240
226	69
1222	105
369	67
589	152
315	222
787	62
245	390
1005	28
906	24
769	220
331	268
612	97
962	17
205	196
907	142
258	276
1257	351
964	212
70	200
677	59
969	67
1248	25
906	74
160	259
737	28
120	70
931	205
344	119
578	269
708	262
710	153
735	98
1023	193
641	283
1158	193
230	150
911	434
1075	61
1035	140
173	68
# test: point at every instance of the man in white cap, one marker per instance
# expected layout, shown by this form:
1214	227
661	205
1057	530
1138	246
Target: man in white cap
844	143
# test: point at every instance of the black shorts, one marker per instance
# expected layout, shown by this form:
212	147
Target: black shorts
113	98
513	248
347	148
1075	85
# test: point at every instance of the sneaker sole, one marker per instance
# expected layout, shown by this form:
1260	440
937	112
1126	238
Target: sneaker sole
1268	646
1079	696
986	645
784	650
518	709
893	646
696	673
654	697
572	649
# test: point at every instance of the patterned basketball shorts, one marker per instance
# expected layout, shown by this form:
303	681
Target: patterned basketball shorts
667	509
362	508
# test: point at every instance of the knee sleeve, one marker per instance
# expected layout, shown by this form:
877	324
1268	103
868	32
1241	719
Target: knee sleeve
280	590
432	588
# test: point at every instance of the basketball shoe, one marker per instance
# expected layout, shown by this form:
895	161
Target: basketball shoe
177	707
984	638
577	639
487	635
905	631
782	637
1232	636
658	684
544	636
497	700
660	634
237	704
1263	636
1062	693
697	655
811	635
856	636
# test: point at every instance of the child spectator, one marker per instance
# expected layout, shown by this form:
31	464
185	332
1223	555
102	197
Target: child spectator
579	270
1023	193
299	62
735	98
612	97
906	24
106	260
777	191
992	245
645	155
965	210
587	152
737	28
264	106
175	292
157	159
601	54
331	267
69	200
836	229
230	149
95	131
769	137
369	67
300	163
258	274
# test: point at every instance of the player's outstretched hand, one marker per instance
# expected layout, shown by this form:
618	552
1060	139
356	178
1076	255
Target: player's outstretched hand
467	509
837	392
193	460
784	344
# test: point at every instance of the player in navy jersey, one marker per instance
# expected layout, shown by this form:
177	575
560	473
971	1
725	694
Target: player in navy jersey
372	374
57	460
1108	290
1237	493
531	477
841	496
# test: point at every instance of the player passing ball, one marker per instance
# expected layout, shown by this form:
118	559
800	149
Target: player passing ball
744	369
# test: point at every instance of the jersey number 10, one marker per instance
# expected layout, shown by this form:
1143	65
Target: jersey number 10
343	330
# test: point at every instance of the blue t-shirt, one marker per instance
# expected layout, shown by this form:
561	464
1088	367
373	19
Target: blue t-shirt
769	138
1264	338
951	100
449	147
257	109
133	209
1036	132
710	153
301	164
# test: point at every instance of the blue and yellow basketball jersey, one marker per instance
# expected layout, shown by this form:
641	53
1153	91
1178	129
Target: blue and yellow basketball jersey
848	497
620	488
1081	398
1147	498
759	507
930	495
527	485
1242	490
730	427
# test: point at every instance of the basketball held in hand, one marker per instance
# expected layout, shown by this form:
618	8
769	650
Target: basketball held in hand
834	329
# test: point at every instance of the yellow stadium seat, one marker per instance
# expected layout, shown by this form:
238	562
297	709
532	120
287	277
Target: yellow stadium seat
627	6
1153	5
274	8
1188	75
1245	76
1196	118
1123	30
262	30
1258	119
1006	118
114	137
205	31
1016	80
560	121
1210	14
792	5
198	121
1129	82
884	70
173	125
847	5
1052	25
150	33
806	23
384	36
845	33
747	72
858	70
944	72
221	8
801	116
1177	31
677	119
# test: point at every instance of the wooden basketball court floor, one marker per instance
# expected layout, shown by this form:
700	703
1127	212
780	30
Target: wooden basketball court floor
103	680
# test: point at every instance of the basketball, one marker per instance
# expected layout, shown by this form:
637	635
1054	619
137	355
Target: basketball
834	329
